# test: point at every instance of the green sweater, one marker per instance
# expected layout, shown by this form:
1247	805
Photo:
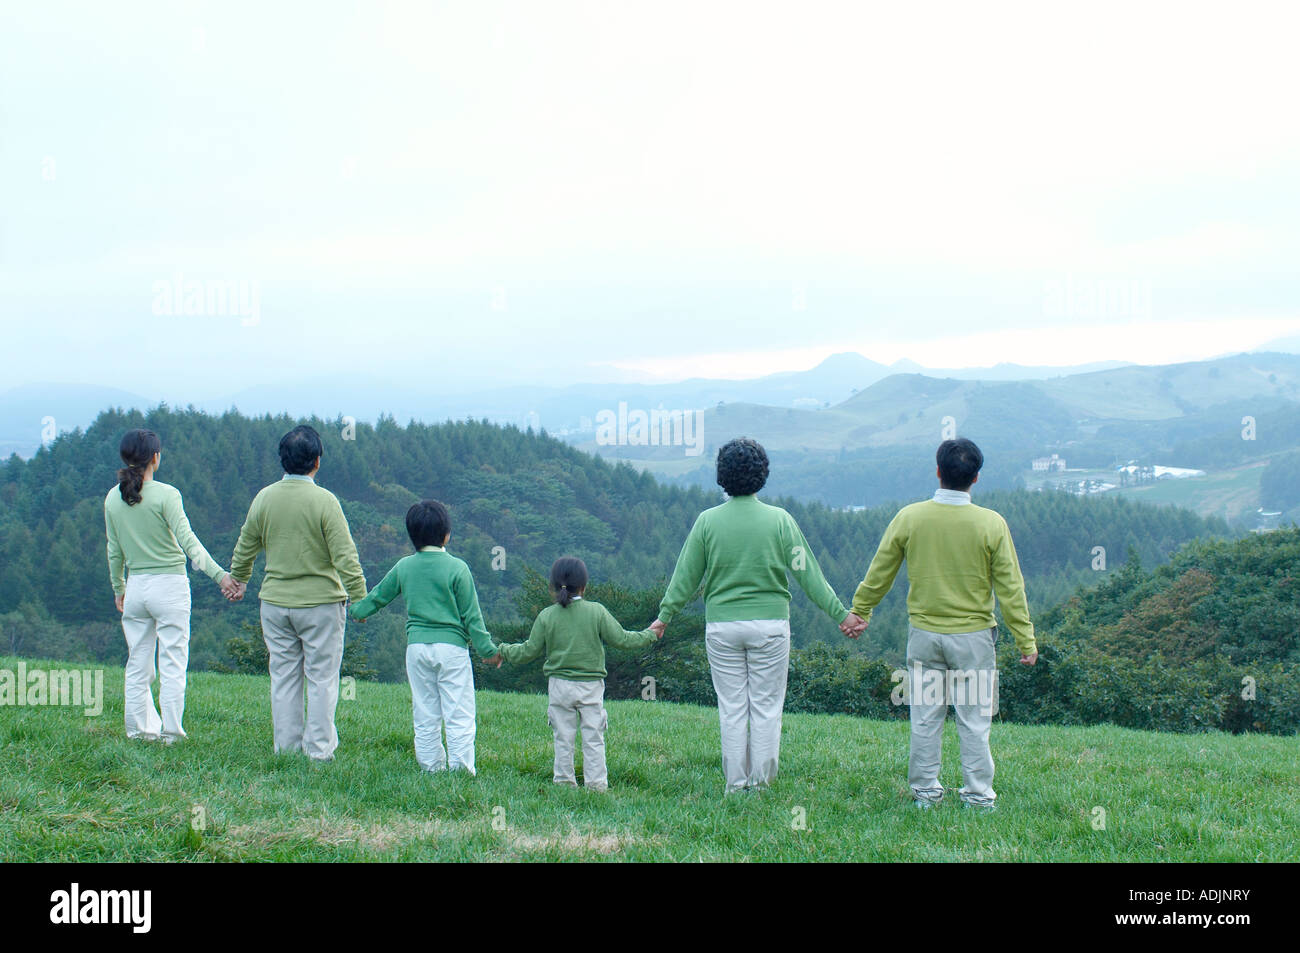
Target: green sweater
573	640
153	536
311	559
957	557
741	551
441	601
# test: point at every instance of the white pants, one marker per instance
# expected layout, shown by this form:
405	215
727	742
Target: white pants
304	646
442	695
156	620
575	703
960	670
749	662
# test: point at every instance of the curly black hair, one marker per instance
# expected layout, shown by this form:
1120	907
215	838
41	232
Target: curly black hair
742	466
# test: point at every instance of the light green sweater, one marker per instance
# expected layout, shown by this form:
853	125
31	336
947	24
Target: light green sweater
741	551
311	559
573	640
441	601
154	536
957	557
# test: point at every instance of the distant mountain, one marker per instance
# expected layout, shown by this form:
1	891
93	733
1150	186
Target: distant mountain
34	413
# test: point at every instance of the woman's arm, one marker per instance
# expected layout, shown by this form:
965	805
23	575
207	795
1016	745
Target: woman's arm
687	574
807	572
179	524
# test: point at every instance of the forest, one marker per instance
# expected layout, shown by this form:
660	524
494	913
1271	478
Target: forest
518	500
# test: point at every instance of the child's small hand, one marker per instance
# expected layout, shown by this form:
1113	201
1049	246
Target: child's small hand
494	661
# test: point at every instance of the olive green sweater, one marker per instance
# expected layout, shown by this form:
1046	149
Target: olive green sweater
154	536
741	552
573	640
441	601
957	556
311	559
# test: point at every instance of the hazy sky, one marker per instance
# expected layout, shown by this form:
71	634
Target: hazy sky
483	193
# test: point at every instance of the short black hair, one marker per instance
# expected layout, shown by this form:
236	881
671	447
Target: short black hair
742	466
959	463
428	523
568	578
299	450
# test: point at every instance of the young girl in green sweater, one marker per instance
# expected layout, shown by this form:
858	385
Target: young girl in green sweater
572	635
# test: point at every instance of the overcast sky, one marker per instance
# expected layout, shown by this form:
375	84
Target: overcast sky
481	193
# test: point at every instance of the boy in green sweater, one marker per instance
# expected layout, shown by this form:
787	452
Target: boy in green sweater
571	634
958	555
442	619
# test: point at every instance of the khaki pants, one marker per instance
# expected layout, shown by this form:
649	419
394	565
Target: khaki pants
960	670
749	662
156	621
306	649
572	704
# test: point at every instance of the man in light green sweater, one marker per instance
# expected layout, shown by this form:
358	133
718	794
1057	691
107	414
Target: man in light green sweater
311	571
958	556
442	619
742	553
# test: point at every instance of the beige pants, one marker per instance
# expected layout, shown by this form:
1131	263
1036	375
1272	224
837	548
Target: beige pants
749	662
156	622
960	670
572	704
306	649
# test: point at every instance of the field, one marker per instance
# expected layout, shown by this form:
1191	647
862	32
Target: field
73	788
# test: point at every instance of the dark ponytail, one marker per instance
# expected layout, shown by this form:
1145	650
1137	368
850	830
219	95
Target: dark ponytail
137	449
568	578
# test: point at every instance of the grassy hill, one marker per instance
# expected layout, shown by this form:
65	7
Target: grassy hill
75	789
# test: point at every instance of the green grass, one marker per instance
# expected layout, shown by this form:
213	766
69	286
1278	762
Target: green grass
73	788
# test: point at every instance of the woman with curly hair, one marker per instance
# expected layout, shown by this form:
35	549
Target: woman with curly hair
741	551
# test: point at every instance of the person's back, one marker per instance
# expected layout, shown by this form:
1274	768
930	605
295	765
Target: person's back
312	570
302	529
442	619
958	556
572	635
575	637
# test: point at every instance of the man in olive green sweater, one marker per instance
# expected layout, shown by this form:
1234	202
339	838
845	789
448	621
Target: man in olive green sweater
958	555
311	571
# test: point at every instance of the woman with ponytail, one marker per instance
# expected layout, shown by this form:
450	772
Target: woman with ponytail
148	540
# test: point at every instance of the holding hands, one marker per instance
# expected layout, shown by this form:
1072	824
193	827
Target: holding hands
231	589
853	625
658	628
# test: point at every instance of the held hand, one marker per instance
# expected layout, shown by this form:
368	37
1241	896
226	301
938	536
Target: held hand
1029	659
853	625
119	601
657	627
494	661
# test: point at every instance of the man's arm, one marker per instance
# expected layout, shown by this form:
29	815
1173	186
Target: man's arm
343	551
808	573
884	567
1009	586
687	574
250	543
388	589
